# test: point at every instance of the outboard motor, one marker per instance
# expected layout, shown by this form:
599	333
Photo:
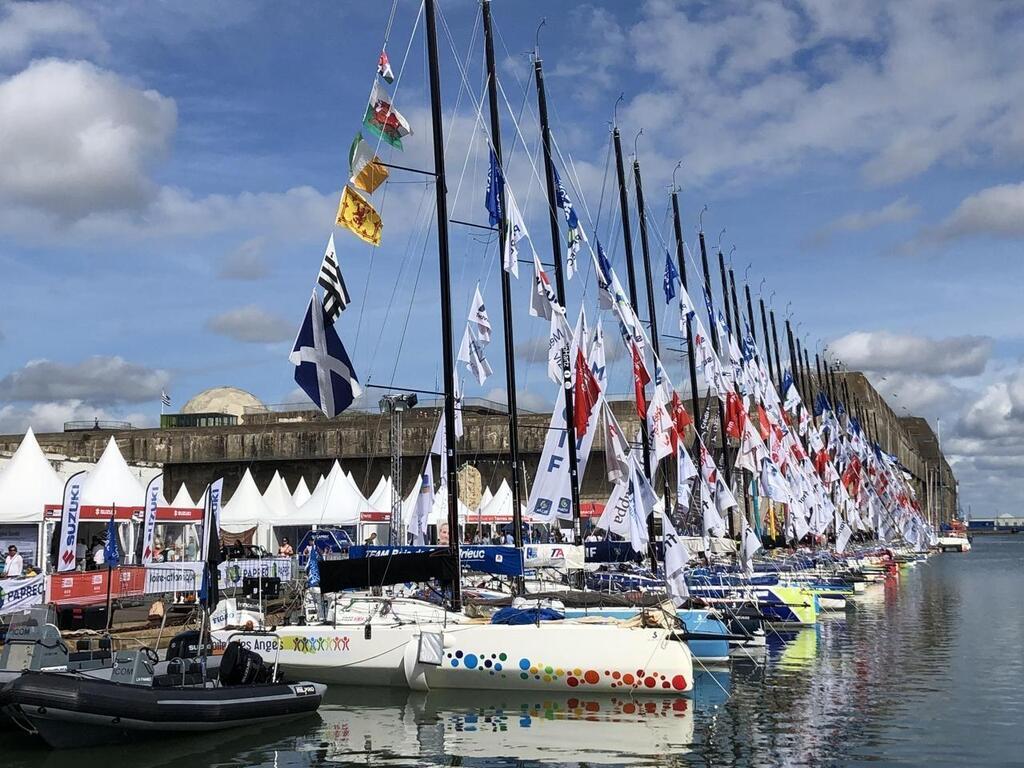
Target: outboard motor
185	645
240	666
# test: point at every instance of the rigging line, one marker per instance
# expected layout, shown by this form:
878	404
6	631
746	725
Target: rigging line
391	21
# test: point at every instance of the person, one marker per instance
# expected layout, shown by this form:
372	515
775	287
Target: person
237	550
98	556
80	553
285	550
510	540
14	565
371	539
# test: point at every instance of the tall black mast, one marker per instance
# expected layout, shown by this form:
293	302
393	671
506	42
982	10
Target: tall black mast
506	286
767	339
681	260
725	303
556	251
627	237
446	297
778	360
750	314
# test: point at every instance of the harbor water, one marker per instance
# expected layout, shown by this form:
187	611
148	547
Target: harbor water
928	670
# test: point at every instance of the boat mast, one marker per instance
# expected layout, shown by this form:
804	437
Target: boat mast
778	359
745	474
447	351
556	252
767	339
627	238
681	263
506	285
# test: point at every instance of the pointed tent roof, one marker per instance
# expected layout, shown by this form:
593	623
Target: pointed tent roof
182	500
485	497
500	504
246	509
28	483
336	501
380	499
302	494
279	498
111	481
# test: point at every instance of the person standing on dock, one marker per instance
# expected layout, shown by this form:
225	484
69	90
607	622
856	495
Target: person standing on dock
14	565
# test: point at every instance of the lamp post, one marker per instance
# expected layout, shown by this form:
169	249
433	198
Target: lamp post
395	406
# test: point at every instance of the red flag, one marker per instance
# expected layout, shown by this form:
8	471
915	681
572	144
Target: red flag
820	460
735	416
681	419
641	378
585	394
763	425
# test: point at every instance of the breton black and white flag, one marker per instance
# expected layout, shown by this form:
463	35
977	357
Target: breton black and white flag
336	297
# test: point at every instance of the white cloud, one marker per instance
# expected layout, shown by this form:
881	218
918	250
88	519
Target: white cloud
27	27
996	211
51	416
77	140
884	352
251	324
861	221
246	262
97	380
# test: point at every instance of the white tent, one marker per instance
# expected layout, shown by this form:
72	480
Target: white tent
336	501
246	509
112	482
182	500
380	499
302	494
279	499
486	496
498	507
27	484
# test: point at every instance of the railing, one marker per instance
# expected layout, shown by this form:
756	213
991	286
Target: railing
96	424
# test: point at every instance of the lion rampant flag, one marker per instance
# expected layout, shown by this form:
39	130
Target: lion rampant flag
356	213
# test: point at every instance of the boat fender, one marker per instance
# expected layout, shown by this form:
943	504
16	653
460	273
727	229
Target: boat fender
415	672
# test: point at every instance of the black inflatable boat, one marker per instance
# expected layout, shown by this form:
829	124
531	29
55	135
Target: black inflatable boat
70	709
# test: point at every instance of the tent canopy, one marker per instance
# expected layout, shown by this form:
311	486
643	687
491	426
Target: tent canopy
28	483
112	482
246	509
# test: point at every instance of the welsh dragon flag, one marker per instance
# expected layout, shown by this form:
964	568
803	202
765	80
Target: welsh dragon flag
383	120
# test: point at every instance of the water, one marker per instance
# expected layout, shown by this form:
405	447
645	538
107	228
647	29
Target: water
929	671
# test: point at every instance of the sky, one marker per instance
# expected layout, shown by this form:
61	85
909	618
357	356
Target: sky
172	172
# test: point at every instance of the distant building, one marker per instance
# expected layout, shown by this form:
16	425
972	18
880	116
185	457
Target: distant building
214	407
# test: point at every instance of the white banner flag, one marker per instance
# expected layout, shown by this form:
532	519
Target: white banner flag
153	492
212	516
69	519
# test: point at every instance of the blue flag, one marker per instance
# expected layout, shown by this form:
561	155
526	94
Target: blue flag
495	192
671	275
709	305
840	410
313	576
322	368
111	552
821	404
787	381
564	202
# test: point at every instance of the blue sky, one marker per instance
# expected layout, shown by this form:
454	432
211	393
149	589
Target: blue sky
172	171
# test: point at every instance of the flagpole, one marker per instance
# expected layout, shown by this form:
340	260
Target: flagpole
778	359
447	351
653	317
627	237
726	466
745	474
506	286
556	249
681	260
767	340
113	514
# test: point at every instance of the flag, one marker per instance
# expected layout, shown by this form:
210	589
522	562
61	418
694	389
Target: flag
605	280
479	318
558	351
628	508
680	416
676	558
111	551
336	297
764	426
772	483
384	68
365	169
313	568
735	416
322	367
586	393
70	520
752	449
671	276
495	191
821	404
790	397
641	378
152	501
417	525
383	120
751	544
843	536
712	522
660	428
543	300
471	353
686	470
616	449
576	236
356	213
165	399
515	230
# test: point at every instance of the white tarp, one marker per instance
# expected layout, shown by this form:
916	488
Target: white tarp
233	571
18	594
28	483
554	556
173	577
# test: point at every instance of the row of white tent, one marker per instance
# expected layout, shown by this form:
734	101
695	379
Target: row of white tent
28	483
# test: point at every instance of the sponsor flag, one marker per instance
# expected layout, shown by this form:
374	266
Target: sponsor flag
365	169
616	449
111	551
586	392
558	351
70	521
773	484
686	470
471	353
843	536
336	297
641	378
676	557
670	280
735	416
479	318
543	300
322	367
628	508
660	428
383	120
356	214
384	68
515	230
495	190
751	544
417	526
576	236
153	492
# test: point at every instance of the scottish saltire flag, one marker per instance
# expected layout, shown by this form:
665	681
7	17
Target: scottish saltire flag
322	368
495	188
111	552
671	277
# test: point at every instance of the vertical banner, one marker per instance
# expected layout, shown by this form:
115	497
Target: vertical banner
69	519
153	493
212	517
